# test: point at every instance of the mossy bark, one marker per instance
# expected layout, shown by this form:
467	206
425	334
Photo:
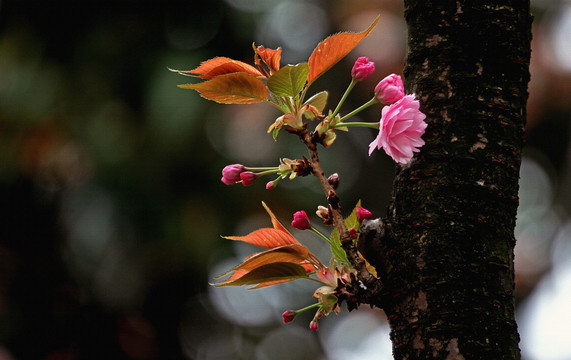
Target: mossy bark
446	258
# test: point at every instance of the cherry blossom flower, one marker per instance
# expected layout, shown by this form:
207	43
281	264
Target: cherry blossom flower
363	68
390	89
401	128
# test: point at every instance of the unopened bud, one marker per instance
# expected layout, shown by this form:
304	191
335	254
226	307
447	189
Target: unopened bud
333	180
300	220
288	316
248	178
363	214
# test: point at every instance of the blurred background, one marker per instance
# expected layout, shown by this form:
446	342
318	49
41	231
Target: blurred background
111	208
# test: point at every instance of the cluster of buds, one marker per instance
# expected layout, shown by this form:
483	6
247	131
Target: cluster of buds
335	280
238	173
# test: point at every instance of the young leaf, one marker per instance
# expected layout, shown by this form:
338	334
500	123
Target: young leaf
316	102
269	274
209	69
267	238
270	57
332	49
295	254
336	249
235	88
289	80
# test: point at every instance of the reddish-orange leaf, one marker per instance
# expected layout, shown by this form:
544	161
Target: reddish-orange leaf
269	274
281	254
267	238
277	225
332	49
235	88
222	65
269	56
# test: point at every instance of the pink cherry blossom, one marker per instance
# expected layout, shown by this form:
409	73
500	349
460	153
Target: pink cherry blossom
401	128
231	174
363	68
300	220
390	89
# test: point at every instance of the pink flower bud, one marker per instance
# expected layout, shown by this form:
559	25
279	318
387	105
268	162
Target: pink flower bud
300	220
248	177
390	89
353	233
363	68
313	325
231	173
363	214
288	316
270	185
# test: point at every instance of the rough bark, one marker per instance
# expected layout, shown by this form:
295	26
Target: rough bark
446	256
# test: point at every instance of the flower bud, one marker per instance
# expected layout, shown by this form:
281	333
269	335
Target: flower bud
300	221
313	325
363	68
248	177
231	173
288	316
333	180
353	233
390	89
270	185
363	214
322	212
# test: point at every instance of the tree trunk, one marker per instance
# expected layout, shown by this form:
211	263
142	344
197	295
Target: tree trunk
446	259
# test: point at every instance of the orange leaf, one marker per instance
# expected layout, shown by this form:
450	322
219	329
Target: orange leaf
332	49
277	225
267	238
269	274
269	57
235	88
221	65
295	254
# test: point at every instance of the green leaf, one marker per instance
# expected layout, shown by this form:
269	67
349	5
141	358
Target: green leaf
317	102
336	249
289	80
268	274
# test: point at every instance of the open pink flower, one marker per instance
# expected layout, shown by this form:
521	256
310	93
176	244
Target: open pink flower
390	89
363	68
401	129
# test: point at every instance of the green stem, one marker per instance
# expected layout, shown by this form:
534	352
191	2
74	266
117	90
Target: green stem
360	108
374	125
349	88
320	234
308	307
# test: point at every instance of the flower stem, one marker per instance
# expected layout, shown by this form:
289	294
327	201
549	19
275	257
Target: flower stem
320	234
359	109
349	88
374	125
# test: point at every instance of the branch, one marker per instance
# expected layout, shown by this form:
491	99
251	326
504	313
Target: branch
372	284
